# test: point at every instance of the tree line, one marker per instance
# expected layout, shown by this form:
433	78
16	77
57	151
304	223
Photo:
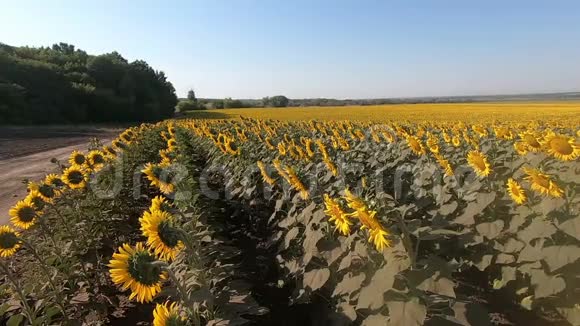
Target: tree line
62	84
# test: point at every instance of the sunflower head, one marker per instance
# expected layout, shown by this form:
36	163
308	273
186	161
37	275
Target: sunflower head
516	191
478	161
132	267
75	177
531	141
160	203
36	200
561	147
77	158
54	180
9	241
415	145
168	315
119	144
542	183
337	215
109	151
23	214
162	236
96	158
46	191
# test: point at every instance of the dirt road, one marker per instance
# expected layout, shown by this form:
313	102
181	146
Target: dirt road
32	167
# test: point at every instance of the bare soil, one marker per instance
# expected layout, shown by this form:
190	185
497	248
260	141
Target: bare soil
26	152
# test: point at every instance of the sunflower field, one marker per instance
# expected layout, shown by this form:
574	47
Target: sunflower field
271	222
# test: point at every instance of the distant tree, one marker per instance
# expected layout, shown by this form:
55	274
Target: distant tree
277	101
191	96
61	84
186	105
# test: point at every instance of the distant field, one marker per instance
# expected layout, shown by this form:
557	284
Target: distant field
568	112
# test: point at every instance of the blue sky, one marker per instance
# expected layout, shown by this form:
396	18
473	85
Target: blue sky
341	49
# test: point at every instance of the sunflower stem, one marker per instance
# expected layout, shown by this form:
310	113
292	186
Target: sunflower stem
29	313
180	287
43	265
407	242
74	243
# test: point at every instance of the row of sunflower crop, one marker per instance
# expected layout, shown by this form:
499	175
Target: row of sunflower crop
390	221
58	258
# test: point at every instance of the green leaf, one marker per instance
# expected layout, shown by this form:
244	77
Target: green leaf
375	320
347	310
571	227
468	313
559	256
439	285
490	230
316	278
15	320
539	228
290	235
474	208
546	285
484	262
406	313
504	259
371	296
572	314
349	284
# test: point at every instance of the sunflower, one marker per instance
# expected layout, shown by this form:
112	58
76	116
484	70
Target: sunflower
119	144
46	191
456	141
343	144
531	140
269	143
309	145
9	241
77	158
109	151
295	182
331	166
337	215
480	130
232	148
75	177
377	235
542	183
162	237
281	148
561	147
54	180
388	136
171	143
267	178
160	203
503	133
96	159
132	268
479	163
433	145
353	201
444	165
23	214
36	200
446	137
322	148
516	191
521	147
415	145
168	315
159	175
